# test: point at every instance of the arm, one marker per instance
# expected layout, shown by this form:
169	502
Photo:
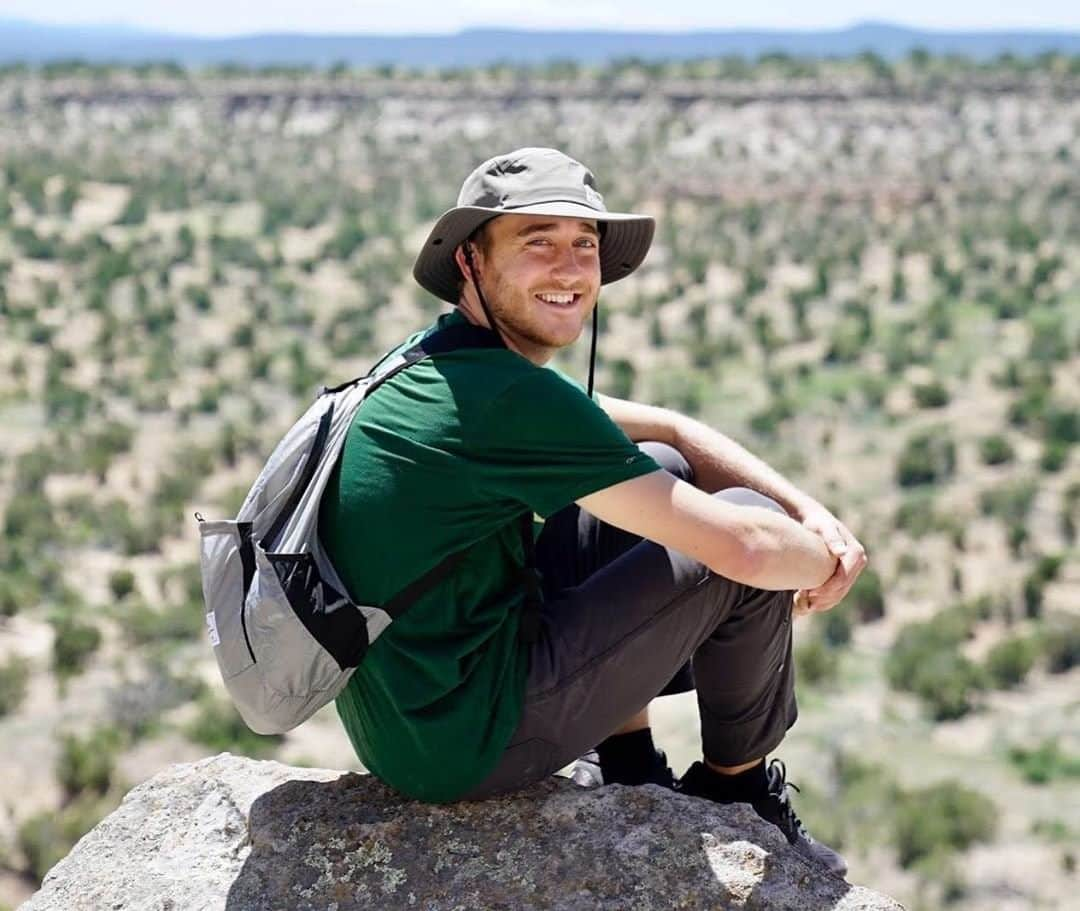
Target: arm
717	460
747	544
720	462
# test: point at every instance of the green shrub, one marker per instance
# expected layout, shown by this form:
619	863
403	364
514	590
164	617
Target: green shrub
941	818
816	662
928	457
1061	425
75	642
930	395
1061	644
621	378
135	211
867	597
767	421
1009	661
837	625
199	297
925	660
30	519
145	625
347	239
17	590
121	583
1048	567
916	514
1070	512
87	763
14	676
1044	763
1049	338
1054	456
99	449
1010	501
846	344
996	450
1033	596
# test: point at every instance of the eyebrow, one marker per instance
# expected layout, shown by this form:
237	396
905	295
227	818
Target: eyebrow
550	225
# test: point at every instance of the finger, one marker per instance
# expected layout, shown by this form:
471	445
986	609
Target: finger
853	562
836	543
832	535
838	581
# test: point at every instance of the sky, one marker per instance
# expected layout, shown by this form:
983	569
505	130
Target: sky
231	17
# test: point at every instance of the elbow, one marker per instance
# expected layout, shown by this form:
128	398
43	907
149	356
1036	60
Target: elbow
744	559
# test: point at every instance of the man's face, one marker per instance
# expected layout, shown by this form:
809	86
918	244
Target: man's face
540	275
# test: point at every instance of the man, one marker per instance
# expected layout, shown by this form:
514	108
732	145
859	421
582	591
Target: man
684	549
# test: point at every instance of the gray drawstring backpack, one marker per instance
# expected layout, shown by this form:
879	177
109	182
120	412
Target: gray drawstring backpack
285	633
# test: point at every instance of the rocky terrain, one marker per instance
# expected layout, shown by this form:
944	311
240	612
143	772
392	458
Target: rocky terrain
868	273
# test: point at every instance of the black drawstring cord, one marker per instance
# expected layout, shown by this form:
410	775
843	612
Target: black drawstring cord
467	247
592	346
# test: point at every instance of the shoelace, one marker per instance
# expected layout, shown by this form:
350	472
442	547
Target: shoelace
778	785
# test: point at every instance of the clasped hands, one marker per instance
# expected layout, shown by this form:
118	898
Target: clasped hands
842	544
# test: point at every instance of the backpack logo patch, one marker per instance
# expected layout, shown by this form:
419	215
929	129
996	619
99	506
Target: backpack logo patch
211	628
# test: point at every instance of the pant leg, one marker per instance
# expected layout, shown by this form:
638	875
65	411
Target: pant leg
607	647
574	544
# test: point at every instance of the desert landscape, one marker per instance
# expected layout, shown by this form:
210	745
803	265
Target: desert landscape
867	272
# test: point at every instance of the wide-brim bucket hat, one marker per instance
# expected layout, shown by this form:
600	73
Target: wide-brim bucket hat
530	181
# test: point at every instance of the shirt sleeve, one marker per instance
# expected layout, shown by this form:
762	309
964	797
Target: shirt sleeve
544	443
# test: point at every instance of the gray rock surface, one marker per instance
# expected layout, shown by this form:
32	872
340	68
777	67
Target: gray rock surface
236	834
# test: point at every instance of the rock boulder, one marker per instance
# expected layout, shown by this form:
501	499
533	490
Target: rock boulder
236	834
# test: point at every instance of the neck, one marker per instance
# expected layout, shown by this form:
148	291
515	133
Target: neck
474	313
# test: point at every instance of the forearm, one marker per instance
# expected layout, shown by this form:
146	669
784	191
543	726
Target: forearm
719	462
785	555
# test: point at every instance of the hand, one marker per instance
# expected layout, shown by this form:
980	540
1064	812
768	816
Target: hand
842	544
800	604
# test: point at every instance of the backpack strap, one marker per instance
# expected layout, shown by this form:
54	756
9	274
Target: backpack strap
453	338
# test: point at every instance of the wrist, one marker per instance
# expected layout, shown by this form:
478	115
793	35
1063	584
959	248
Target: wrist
797	508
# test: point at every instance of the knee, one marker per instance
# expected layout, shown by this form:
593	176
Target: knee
670	459
744	496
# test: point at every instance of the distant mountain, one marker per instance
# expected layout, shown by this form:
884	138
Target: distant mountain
29	42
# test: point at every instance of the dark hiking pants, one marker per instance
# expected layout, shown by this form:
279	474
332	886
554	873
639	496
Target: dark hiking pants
625	620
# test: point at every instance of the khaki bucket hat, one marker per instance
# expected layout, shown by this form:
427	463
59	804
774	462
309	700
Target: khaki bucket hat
530	181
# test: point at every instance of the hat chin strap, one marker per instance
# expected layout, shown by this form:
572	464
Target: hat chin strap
495	327
480	294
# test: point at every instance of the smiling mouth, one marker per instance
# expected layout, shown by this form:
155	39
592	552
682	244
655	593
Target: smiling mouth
566	301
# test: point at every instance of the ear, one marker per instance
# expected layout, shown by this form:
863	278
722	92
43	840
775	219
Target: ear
459	258
462	263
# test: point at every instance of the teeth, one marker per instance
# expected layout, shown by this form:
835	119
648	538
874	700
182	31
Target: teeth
557	298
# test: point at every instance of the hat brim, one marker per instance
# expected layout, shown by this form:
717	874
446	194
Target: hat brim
627	238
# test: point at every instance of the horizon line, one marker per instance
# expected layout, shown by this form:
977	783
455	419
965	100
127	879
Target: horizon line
547	30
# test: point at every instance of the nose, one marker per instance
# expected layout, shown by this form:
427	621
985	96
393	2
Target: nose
572	262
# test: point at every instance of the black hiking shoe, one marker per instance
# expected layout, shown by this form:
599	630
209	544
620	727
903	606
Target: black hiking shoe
774	806
588	774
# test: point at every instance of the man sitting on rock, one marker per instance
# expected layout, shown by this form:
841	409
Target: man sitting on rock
666	546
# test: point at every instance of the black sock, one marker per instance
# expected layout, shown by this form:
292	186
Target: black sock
743	787
627	758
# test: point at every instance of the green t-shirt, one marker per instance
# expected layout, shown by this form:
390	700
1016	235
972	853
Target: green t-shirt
447	455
